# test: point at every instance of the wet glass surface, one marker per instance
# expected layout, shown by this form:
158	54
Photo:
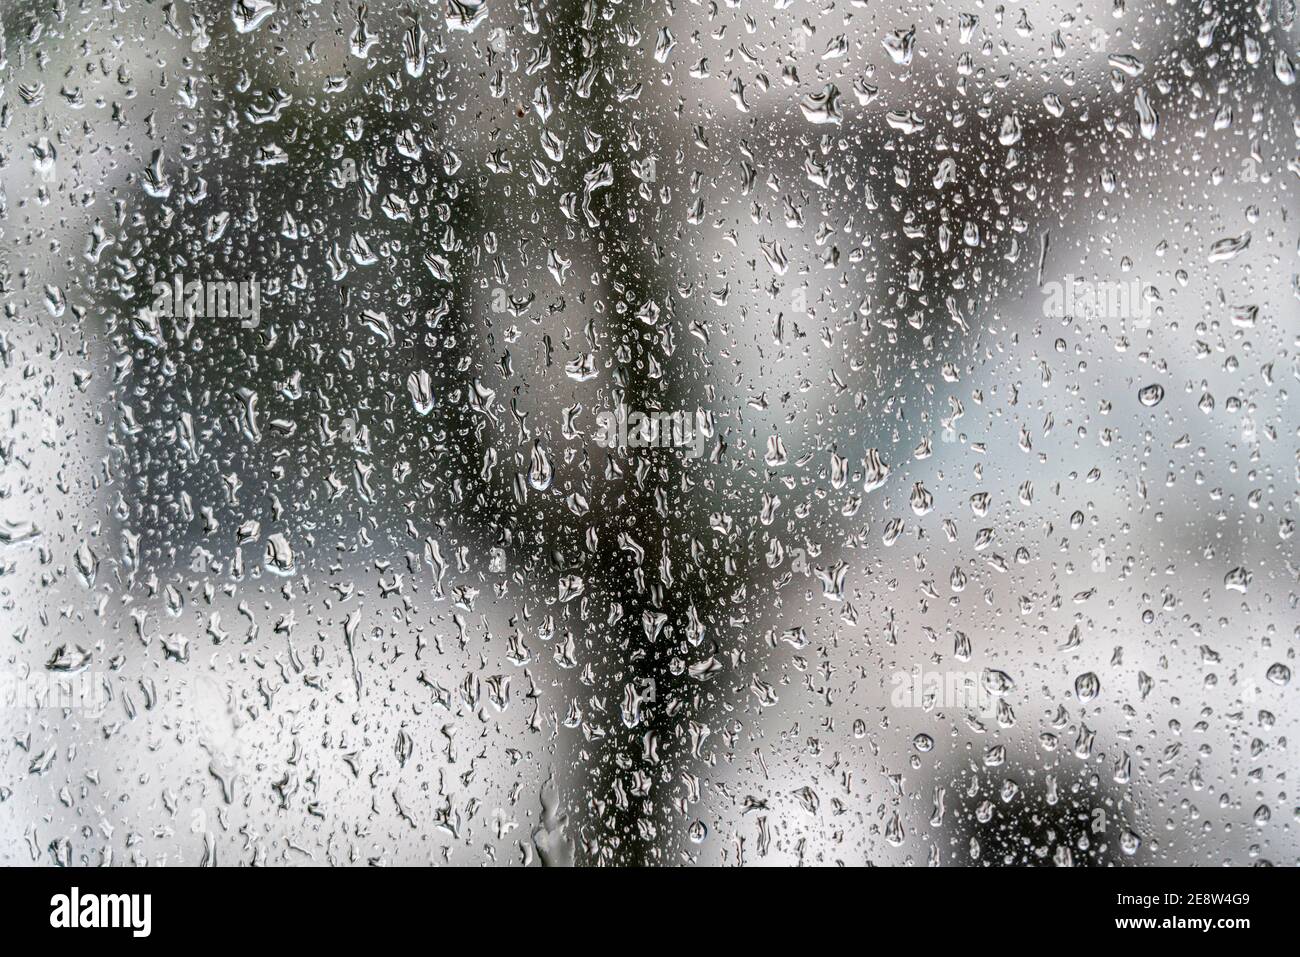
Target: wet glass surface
649	433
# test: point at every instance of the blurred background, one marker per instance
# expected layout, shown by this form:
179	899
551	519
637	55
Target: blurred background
972	572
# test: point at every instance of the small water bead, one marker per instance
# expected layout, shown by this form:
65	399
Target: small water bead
1151	395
